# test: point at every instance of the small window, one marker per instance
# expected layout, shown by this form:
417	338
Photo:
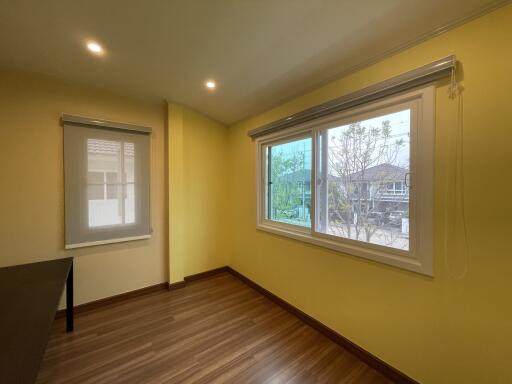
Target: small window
109	165
358	181
106	185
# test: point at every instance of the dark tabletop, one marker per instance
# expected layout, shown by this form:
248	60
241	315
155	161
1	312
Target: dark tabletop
29	298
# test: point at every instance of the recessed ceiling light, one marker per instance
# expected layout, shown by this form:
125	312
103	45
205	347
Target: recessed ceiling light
210	84
94	47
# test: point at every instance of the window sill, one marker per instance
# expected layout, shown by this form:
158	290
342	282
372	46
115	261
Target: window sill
110	241
388	258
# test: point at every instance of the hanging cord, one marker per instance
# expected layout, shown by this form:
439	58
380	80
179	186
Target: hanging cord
457	219
454	89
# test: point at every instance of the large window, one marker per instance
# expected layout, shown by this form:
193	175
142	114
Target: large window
359	181
106	184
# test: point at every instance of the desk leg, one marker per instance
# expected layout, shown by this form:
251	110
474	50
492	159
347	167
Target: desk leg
69	300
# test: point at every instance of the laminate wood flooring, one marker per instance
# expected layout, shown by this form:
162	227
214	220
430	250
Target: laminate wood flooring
216	330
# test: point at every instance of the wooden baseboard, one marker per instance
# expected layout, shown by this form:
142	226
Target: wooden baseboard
178	285
197	276
392	373
139	292
206	274
143	291
93	305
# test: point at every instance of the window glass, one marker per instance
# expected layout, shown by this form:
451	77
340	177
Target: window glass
129	203
108	200
112	185
363	167
95	190
129	174
289	182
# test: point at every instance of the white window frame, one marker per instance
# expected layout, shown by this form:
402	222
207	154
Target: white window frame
419	257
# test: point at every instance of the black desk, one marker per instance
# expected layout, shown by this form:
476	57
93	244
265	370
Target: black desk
29	299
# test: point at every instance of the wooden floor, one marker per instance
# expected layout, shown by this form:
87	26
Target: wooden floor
216	330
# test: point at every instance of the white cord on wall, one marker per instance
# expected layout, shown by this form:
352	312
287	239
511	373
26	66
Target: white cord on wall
455	218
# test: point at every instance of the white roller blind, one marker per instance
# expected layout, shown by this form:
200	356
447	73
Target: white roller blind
106	170
406	81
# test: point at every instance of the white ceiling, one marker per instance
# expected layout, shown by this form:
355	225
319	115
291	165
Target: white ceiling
261	52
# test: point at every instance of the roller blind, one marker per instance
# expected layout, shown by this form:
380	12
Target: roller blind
420	76
107	182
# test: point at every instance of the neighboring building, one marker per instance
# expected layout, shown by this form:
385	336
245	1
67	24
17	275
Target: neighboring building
381	188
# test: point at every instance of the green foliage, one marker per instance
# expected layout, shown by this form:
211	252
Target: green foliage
291	185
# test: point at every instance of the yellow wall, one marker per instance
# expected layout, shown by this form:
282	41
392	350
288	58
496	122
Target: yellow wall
198	219
32	190
32	195
456	327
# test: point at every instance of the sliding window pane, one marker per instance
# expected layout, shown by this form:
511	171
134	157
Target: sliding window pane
363	170
288	197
